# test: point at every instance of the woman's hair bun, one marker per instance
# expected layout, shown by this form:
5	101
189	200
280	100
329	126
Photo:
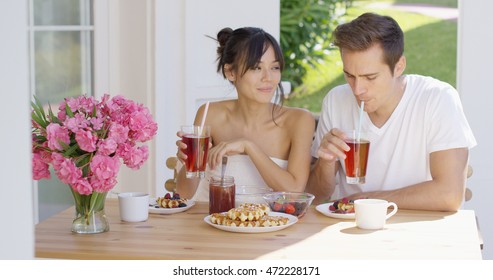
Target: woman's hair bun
223	36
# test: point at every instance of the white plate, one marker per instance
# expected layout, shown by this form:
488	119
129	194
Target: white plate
292	221
324	209
167	211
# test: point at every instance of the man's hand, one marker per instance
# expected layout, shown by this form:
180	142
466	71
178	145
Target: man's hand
333	146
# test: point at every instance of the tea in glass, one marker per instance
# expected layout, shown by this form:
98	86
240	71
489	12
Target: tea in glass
356	159
197	140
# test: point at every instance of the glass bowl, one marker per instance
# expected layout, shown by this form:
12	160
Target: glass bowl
293	203
251	194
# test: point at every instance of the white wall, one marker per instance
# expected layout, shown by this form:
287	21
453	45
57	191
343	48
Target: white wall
475	61
130	64
16	208
185	68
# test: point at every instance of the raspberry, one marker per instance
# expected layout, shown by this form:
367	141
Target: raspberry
167	196
332	208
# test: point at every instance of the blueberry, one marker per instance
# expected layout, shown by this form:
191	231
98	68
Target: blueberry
336	204
182	204
299	206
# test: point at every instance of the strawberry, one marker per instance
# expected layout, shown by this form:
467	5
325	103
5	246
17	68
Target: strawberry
289	208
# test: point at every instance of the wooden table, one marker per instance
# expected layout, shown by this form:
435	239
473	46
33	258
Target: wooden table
407	235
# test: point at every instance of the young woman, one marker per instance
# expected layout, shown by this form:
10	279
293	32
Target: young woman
267	144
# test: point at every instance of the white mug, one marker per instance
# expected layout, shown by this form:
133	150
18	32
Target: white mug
372	213
134	206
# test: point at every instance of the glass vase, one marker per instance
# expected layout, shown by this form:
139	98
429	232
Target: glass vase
89	213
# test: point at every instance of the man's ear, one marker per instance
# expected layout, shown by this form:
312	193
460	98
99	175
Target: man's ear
400	66
230	75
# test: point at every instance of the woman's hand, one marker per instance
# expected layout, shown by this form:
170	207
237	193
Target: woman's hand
181	146
333	146
226	149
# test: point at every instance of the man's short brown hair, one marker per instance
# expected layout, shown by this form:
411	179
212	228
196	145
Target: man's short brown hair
369	29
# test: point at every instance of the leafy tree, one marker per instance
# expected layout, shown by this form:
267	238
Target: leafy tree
305	33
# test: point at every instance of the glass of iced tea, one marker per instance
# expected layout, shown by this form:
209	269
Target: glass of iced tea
197	140
357	156
221	194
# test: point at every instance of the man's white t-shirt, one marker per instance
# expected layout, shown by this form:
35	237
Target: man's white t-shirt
428	118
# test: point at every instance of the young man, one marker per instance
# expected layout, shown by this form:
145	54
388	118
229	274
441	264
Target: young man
419	135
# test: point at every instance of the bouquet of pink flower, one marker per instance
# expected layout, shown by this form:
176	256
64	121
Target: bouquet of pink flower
85	141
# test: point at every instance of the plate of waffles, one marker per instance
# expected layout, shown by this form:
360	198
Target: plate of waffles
337	214
154	208
251	218
253	226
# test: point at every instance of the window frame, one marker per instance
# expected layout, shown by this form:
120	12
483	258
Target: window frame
96	74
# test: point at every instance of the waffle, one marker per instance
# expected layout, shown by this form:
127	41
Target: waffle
170	203
248	212
263	207
271	221
218	218
248	215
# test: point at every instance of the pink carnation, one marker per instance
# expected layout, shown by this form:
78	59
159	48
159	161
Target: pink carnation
97	123
105	167
82	186
86	140
119	133
100	185
145	133
107	146
57	160
76	123
133	157
67	172
40	167
56	133
138	120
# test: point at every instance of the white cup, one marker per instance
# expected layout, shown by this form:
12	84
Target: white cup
372	213
134	206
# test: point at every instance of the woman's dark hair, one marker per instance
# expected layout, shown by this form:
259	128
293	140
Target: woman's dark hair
243	49
368	29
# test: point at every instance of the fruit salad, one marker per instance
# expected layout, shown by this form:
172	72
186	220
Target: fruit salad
171	200
342	206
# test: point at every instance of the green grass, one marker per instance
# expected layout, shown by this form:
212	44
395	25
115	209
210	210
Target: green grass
430	49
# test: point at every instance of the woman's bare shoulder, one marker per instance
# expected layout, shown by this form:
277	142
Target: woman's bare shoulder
298	115
223	106
218	110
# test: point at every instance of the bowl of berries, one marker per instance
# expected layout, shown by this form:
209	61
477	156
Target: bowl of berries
293	203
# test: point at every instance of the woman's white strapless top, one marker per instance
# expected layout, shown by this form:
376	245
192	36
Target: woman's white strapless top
242	169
